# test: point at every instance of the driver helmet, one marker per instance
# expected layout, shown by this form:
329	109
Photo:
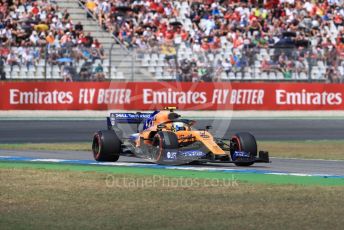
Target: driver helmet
176	126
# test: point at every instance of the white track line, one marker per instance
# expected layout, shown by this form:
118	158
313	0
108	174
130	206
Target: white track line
305	159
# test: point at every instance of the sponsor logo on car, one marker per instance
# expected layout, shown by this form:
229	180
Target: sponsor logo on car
171	155
192	153
241	154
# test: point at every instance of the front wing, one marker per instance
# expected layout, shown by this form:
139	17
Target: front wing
187	155
263	157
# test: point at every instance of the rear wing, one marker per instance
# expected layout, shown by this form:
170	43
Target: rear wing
126	118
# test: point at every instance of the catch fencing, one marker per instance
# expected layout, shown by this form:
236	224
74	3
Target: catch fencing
170	62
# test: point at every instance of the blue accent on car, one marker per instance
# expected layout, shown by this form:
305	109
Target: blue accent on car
134	136
240	154
150	120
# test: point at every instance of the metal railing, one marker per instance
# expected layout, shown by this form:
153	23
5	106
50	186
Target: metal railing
90	13
250	64
116	42
172	63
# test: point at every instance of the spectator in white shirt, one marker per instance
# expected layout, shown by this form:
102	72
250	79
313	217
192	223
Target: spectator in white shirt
12	60
28	59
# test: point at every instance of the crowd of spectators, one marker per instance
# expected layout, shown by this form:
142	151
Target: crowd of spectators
313	28
301	34
31	31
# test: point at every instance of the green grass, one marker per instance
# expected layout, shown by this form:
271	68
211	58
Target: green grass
75	146
55	199
324	149
333	150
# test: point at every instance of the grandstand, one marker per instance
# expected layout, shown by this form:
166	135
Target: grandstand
173	40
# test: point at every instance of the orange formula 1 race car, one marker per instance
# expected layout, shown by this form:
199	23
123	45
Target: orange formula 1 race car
165	138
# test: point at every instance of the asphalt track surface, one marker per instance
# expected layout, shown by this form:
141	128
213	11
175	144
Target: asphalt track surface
327	167
52	131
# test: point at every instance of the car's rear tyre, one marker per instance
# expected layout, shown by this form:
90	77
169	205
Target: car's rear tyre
244	142
106	146
164	142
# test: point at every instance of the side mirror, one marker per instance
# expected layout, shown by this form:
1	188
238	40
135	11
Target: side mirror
191	122
208	127
161	126
173	116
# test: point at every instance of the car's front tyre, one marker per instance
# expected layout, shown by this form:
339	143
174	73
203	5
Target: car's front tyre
244	142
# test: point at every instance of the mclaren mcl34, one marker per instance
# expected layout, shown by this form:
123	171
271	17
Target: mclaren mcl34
164	137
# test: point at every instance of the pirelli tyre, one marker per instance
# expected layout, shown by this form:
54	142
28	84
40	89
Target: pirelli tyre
165	147
106	146
244	142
